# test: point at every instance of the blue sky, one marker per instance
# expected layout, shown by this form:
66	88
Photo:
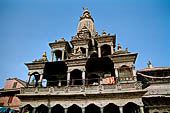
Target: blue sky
27	26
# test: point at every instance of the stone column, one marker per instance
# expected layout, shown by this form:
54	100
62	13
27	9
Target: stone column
74	51
40	81
99	52
116	74
141	109
121	109
83	77
87	52
83	110
52	55
28	80
112	49
68	78
49	109
65	110
134	73
59	83
101	110
62	58
34	110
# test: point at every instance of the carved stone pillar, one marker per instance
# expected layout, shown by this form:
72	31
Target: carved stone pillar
49	109
99	52
87	52
28	80
40	81
101	110
141	109
83	77
62	58
68	78
52	55
134	73
116	74
112	49
34	110
74	51
65	110
83	110
59	83
121	109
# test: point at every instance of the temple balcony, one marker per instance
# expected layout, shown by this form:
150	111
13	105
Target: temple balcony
123	84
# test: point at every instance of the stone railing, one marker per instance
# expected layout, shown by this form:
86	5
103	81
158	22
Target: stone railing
88	89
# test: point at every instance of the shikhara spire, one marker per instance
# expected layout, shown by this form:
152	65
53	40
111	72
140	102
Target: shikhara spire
86	21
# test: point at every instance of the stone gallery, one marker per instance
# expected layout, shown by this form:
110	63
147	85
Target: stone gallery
91	74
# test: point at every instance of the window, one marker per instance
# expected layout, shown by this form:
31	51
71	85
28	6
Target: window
15	85
10	99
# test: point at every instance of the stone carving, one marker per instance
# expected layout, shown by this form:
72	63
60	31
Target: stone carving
66	89
43	59
138	85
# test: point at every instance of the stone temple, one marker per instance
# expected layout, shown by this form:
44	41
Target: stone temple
89	74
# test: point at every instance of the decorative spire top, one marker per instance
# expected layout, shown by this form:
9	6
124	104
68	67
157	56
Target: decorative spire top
103	32
45	54
119	47
149	64
87	21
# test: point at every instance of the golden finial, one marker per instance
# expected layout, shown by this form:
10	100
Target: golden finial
119	47
103	32
45	54
149	64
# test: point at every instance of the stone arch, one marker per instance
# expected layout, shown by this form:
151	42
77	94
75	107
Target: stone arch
34	78
27	108
58	54
74	108
109	108
57	109
105	50
42	109
131	107
76	77
100	67
92	108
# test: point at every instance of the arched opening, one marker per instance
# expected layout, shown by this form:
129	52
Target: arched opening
99	69
131	108
27	108
42	109
110	108
57	109
58	55
125	73
74	109
92	108
93	79
55	73
76	77
105	50
35	77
